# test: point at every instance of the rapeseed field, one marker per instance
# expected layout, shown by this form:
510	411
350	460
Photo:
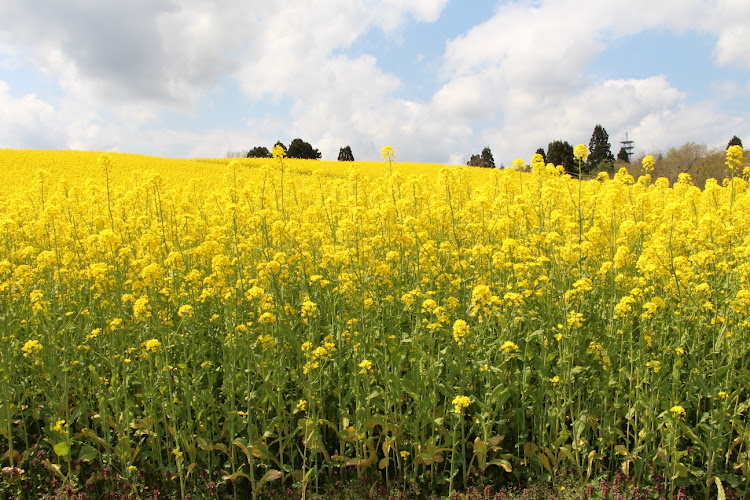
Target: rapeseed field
212	328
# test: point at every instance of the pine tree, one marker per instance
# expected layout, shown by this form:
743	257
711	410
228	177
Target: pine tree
485	159
301	149
345	154
540	151
279	143
561	153
259	152
488	160
599	151
734	141
623	155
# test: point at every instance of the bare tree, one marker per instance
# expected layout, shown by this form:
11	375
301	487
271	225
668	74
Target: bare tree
236	154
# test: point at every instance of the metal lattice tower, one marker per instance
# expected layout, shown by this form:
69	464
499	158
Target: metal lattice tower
627	145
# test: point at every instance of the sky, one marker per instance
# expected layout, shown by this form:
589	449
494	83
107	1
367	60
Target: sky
438	80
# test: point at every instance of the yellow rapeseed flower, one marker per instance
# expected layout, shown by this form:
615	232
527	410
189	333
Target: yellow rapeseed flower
677	411
31	347
648	163
366	367
734	157
388	153
141	308
151	345
460	331
581	152
460	403
654	365
509	347
309	310
185	310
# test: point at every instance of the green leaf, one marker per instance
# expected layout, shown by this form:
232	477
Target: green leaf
680	471
720	495
534	335
565	452
123	449
545	462
233	477
502	463
62	448
87	453
271	475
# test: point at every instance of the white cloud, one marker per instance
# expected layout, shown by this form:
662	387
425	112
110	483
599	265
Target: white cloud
731	48
730	22
27	120
537	46
337	99
619	105
527	66
467	97
514	82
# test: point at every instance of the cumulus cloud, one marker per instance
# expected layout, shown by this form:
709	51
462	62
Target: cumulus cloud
169	54
527	66
162	51
27	120
514	81
624	103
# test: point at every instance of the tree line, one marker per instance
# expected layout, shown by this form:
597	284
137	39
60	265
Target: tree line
560	152
297	149
699	160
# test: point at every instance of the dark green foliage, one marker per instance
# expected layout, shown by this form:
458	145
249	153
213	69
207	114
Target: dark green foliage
600	152
540	151
259	152
485	159
345	154
623	155
561	153
734	141
301	149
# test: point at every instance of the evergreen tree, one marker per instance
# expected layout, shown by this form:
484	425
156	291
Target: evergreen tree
561	153
301	149
599	151
345	154
623	155
734	141
540	151
279	143
259	152
485	159
474	161
488	160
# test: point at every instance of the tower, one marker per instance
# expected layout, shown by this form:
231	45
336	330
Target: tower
627	145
